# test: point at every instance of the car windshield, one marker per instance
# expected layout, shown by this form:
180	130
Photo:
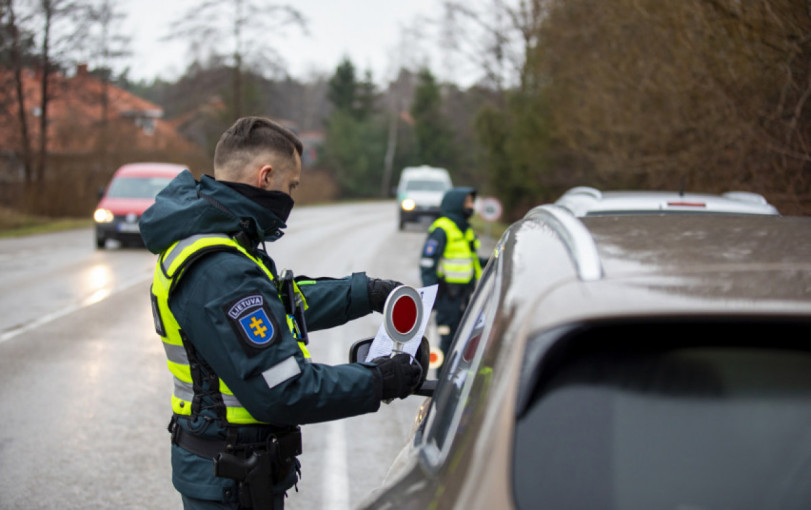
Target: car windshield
684	427
428	185
137	187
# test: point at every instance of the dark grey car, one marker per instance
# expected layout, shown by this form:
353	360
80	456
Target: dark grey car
624	362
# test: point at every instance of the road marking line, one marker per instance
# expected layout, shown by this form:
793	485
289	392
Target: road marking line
336	478
335	492
97	297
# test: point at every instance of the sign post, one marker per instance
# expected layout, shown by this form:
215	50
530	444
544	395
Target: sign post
489	210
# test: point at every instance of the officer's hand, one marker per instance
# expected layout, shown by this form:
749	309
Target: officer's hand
378	291
401	375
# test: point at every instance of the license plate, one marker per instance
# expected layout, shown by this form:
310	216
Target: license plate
128	227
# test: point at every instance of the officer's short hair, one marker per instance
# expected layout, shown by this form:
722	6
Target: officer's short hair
247	137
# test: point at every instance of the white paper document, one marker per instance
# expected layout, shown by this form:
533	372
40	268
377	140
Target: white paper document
383	344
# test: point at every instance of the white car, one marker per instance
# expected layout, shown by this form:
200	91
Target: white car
586	201
420	192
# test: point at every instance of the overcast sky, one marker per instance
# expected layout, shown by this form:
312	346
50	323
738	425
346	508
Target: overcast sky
368	31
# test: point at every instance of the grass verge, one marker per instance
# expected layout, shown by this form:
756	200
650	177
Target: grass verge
17	224
490	229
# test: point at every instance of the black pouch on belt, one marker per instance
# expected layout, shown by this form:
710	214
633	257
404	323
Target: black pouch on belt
284	448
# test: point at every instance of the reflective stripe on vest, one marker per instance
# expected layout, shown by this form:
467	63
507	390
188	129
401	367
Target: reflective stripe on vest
459	262
171	265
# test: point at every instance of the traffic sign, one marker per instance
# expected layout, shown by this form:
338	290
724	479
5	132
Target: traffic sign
402	315
489	208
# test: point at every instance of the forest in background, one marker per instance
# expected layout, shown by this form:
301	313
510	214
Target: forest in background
705	95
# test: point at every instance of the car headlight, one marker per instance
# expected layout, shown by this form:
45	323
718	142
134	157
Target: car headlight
408	204
103	216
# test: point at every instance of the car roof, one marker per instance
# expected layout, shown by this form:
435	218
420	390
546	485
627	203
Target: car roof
558	268
587	201
149	170
424	172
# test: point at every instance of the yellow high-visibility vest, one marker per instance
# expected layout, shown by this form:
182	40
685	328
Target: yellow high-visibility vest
459	262
171	265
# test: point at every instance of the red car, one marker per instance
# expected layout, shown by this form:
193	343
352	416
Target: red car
130	192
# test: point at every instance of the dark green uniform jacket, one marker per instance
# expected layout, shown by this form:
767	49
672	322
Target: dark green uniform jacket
217	281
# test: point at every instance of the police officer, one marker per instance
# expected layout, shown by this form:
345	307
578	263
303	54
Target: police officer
449	258
235	330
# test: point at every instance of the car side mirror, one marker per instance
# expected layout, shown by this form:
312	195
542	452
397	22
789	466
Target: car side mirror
100	193
360	349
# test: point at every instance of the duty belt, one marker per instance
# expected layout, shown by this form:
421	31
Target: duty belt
287	442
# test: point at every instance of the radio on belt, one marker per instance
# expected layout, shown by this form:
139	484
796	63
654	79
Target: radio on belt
402	316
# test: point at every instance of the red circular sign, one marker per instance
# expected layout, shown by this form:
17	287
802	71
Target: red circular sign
404	314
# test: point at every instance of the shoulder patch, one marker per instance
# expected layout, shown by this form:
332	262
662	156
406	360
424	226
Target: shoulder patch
252	321
430	248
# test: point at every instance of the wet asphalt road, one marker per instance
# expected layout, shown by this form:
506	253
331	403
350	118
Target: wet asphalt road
84	391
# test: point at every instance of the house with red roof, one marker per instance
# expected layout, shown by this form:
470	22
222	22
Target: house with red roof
86	116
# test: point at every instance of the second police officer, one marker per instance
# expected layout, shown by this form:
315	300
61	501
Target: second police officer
450	259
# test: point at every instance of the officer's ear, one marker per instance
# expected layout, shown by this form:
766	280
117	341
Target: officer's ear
264	176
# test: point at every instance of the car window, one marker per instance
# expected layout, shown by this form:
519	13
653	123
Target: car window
429	185
462	365
137	187
679	427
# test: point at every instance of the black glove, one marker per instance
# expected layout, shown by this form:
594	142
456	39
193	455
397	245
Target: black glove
378	291
400	375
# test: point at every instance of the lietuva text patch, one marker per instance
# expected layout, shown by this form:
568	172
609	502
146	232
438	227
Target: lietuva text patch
253	322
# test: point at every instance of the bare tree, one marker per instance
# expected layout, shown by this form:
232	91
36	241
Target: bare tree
49	13
58	26
103	45
714	91
14	33
45	39
248	26
489	35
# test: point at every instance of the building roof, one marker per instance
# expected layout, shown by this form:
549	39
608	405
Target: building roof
77	112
